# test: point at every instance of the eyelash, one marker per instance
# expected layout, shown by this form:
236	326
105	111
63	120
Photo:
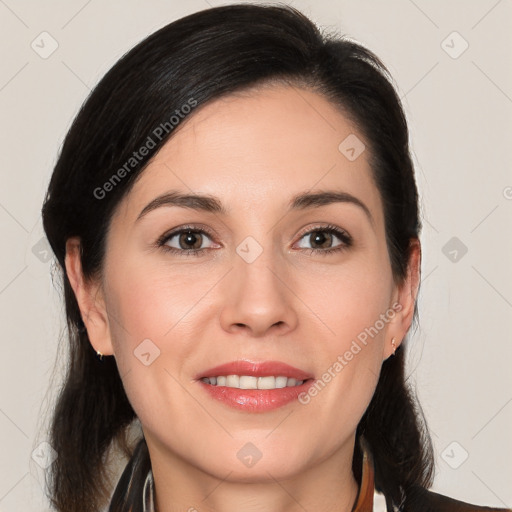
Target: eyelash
345	238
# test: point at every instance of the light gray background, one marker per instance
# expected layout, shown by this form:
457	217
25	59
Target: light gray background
460	115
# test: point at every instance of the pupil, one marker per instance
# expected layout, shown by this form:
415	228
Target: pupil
189	238
319	237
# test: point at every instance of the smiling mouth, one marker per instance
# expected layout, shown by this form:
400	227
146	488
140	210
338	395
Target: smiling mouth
255	386
251	382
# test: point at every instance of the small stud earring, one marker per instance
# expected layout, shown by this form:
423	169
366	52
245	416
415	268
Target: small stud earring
100	355
393	344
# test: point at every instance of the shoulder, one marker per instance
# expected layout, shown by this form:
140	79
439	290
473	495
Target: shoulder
423	500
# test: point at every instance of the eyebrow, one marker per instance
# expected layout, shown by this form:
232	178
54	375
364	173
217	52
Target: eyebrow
212	204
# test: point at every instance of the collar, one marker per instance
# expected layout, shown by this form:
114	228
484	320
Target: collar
363	503
364	500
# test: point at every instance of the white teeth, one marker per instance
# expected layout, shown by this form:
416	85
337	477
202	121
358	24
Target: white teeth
248	382
266	382
251	382
281	382
233	381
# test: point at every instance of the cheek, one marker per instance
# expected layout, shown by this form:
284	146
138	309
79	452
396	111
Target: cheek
350	299
158	317
151	334
153	302
353	304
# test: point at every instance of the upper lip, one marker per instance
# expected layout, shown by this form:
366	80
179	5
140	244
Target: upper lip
256	369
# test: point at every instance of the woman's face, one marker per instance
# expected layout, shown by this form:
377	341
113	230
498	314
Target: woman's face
280	278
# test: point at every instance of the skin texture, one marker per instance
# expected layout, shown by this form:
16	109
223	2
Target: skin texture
253	151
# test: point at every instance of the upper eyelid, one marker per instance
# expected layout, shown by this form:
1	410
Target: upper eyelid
195	229
308	230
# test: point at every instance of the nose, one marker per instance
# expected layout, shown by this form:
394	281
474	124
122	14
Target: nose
258	298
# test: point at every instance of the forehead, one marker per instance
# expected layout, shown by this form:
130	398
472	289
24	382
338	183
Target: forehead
257	149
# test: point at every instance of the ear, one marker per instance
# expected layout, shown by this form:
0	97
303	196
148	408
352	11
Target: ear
404	299
90	298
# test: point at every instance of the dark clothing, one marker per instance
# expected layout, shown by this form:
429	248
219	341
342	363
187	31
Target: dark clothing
417	500
139	492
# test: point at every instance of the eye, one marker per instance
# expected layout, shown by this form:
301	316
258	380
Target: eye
325	238
187	241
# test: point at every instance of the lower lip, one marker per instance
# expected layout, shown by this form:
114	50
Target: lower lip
256	400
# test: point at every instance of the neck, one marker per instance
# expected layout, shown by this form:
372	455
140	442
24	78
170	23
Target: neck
329	486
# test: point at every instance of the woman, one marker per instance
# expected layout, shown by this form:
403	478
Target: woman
265	372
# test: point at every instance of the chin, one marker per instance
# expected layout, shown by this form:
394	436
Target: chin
261	472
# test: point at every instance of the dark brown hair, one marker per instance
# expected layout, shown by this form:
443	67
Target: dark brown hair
204	56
